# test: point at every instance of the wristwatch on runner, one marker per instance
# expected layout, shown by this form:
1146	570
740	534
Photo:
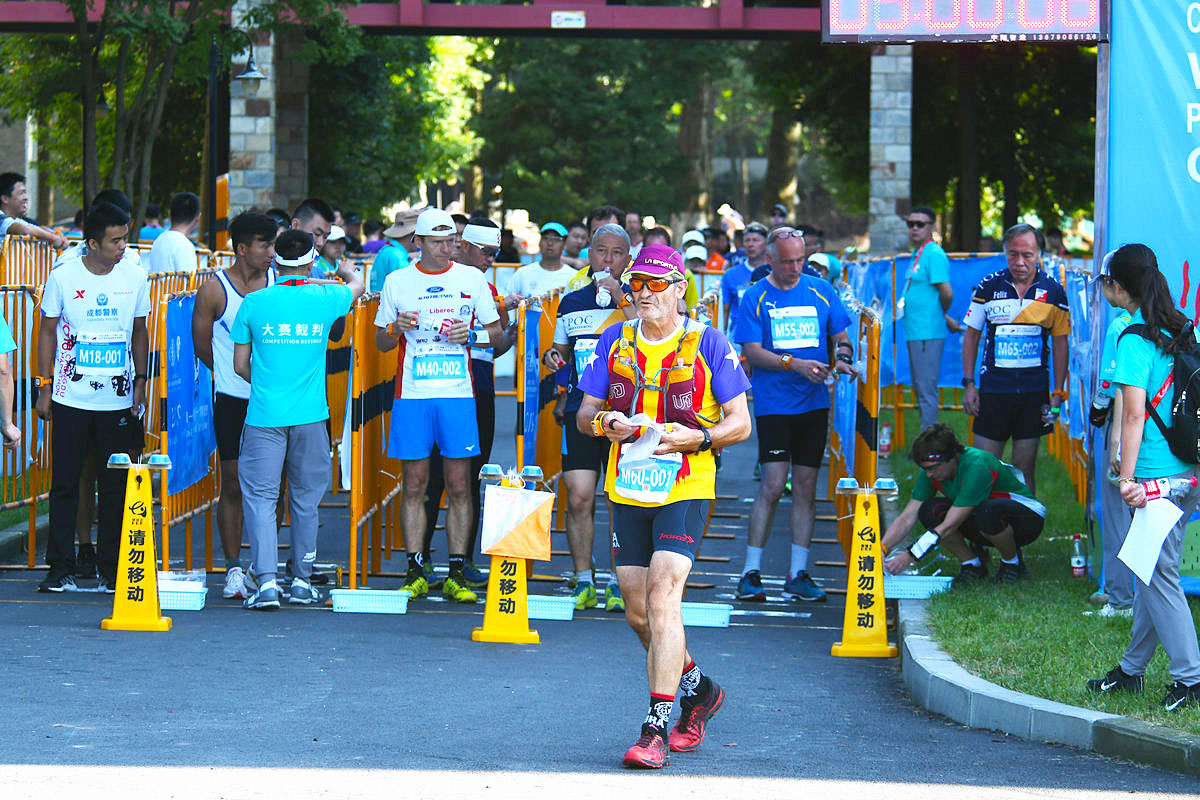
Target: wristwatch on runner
707	443
39	381
968	382
785	360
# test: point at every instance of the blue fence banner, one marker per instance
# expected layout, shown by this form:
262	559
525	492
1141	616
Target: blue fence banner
871	282
191	439
845	394
532	370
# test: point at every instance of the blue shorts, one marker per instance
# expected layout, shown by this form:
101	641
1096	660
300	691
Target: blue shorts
418	424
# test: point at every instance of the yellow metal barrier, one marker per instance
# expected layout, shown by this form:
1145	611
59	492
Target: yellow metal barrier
26	469
200	497
25	260
374	478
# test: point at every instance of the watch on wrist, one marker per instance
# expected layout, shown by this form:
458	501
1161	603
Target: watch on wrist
39	381
140	377
707	443
626	300
968	382
845	359
598	423
785	360
472	337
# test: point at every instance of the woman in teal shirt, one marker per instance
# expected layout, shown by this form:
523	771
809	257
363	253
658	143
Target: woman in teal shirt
1144	366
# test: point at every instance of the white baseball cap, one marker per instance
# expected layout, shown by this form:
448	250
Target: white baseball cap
336	232
695	251
693	236
436	222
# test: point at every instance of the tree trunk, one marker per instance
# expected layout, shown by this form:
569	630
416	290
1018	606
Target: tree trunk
87	103
967	207
695	145
1012	181
783	145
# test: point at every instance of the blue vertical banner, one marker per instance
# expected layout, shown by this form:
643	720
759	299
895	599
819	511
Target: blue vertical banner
1153	186
532	374
191	439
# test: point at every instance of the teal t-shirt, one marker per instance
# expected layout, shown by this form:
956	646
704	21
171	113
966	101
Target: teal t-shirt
391	257
1140	363
287	327
7	342
924	317
1108	356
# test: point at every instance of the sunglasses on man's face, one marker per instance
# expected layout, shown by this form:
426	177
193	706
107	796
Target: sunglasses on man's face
655	284
917	223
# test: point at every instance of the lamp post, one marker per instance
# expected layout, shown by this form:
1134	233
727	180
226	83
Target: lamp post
250	79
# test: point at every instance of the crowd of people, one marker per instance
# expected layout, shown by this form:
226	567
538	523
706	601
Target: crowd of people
647	398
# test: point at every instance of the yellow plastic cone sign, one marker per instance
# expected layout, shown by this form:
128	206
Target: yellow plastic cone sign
506	615
864	628
135	605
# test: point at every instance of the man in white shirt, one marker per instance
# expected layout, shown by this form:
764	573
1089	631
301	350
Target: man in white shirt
173	250
14	205
429	309
93	349
550	272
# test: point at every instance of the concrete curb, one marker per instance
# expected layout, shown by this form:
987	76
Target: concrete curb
940	685
14	539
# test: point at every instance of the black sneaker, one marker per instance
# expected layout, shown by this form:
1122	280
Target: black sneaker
85	561
1117	681
1180	696
106	585
1010	573
969	574
61	583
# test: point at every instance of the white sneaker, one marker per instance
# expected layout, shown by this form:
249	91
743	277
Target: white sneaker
237	584
1109	610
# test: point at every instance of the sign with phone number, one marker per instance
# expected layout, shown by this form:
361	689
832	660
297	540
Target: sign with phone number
904	21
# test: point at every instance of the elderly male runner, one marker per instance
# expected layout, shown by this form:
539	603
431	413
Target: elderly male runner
687	378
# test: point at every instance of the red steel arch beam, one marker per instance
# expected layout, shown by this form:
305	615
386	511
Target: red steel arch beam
730	18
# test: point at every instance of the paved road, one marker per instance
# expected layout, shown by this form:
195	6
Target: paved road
306	702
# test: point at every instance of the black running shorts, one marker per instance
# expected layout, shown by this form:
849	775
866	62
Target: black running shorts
989	517
1011	415
584	451
799	438
229	417
639	533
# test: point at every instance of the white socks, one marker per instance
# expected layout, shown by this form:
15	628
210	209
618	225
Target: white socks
753	559
799	560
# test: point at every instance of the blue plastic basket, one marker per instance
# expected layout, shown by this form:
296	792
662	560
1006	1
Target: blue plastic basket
182	598
550	606
706	615
370	601
913	587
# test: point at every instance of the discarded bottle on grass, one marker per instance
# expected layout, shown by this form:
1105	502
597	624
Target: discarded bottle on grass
1172	488
1078	557
885	439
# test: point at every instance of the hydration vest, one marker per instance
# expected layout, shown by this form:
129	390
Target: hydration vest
627	382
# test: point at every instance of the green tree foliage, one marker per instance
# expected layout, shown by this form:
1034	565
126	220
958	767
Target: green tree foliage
1035	128
826	89
394	115
131	58
568	124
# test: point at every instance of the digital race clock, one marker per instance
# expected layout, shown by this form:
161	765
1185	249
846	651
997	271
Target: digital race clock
899	21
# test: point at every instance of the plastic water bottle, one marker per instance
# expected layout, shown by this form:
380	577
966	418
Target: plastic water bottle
1078	557
885	439
1172	488
1102	401
603	297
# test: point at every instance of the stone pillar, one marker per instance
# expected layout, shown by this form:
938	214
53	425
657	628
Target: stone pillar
891	147
252	134
291	124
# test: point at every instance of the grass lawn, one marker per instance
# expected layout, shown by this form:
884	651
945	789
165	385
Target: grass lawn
1033	637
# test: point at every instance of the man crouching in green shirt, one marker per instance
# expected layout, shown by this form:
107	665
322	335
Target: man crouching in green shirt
983	502
280	335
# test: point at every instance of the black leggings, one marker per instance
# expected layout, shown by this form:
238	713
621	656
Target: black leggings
987	519
485	414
